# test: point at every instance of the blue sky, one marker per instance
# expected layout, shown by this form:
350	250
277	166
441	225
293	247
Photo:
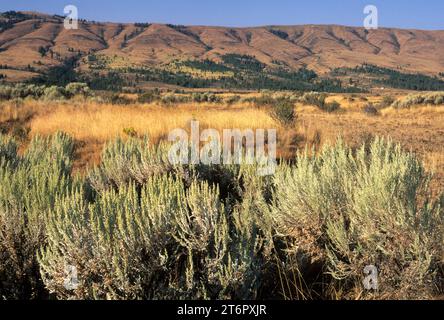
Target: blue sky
421	14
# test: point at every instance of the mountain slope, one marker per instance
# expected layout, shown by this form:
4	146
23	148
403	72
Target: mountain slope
32	42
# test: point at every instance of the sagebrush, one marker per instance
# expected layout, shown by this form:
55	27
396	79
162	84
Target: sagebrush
137	227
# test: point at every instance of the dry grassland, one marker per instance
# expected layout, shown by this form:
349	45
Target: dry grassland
420	129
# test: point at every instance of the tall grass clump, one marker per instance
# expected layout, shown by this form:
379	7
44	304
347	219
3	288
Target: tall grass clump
136	160
29	185
342	211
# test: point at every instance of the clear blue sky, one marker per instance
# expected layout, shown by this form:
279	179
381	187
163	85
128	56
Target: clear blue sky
421	14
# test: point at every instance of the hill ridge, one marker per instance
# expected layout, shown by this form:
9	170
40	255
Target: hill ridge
30	42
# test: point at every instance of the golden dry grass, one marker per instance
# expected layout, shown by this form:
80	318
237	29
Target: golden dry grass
105	122
420	129
93	124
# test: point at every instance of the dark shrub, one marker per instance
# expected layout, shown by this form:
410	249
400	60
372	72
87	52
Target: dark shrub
370	110
149	96
118	99
331	106
387	101
283	112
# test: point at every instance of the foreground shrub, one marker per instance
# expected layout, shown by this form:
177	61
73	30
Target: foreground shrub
134	160
169	243
138	227
29	186
344	212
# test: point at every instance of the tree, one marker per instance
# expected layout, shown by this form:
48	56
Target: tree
42	51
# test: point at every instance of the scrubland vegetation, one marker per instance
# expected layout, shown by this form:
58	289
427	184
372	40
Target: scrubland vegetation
135	226
433	99
92	208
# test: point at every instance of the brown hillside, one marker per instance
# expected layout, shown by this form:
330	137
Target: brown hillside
319	47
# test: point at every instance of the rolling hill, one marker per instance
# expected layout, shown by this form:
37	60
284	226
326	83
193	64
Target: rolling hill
32	43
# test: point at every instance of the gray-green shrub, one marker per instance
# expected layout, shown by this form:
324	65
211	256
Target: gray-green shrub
29	185
77	88
149	96
345	211
169	242
139	228
434	99
134	160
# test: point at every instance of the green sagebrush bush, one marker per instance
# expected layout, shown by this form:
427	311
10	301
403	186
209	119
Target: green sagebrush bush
134	160
433	98
29	185
342	211
156	231
166	242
